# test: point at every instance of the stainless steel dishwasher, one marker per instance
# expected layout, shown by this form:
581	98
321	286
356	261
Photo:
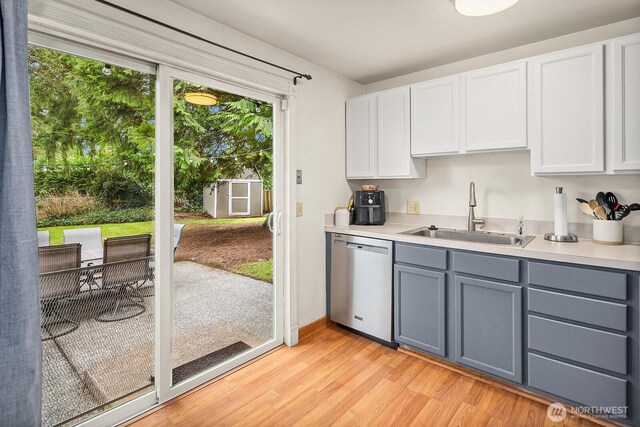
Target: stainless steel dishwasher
361	284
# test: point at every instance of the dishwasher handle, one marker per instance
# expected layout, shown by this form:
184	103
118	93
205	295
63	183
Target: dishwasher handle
366	248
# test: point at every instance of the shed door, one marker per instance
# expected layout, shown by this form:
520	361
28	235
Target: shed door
239	198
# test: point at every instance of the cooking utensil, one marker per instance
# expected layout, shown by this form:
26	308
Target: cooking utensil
623	212
601	198
585	208
582	200
612	204
593	204
634	207
600	212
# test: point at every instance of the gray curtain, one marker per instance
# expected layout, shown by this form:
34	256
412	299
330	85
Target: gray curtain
20	354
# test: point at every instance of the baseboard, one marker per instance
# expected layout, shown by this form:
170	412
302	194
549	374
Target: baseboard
313	327
495	383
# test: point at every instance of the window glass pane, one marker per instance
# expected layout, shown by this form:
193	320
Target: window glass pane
239	189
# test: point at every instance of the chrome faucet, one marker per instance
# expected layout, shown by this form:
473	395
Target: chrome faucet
471	225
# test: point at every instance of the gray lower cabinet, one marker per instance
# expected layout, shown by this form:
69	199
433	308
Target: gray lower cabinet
488	329
419	308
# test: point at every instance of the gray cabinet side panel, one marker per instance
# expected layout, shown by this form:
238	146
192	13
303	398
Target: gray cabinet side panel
489	327
419	308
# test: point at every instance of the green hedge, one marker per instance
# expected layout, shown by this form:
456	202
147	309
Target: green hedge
103	216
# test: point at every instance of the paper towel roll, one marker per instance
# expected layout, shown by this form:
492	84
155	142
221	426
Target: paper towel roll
560	213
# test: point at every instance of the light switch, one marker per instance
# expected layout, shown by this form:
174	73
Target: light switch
299	209
413	207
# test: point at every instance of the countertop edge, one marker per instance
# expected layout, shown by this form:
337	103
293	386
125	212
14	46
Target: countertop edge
526	252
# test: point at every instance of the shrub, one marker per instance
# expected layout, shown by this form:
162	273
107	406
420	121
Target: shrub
56	178
103	216
70	204
119	189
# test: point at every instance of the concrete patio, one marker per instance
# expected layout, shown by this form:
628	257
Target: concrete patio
100	363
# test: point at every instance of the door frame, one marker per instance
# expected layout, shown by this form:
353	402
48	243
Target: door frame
232	197
165	77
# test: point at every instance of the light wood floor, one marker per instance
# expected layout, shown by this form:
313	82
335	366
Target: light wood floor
338	378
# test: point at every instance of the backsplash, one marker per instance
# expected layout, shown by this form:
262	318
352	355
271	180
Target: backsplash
505	188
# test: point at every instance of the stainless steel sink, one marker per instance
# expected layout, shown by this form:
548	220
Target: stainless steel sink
503	239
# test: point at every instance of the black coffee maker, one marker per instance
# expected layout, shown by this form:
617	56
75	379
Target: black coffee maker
369	208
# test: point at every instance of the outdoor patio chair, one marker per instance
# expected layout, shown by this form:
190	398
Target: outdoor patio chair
124	270
177	234
90	238
59	280
43	238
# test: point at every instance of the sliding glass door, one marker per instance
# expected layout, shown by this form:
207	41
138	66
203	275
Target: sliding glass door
159	196
224	297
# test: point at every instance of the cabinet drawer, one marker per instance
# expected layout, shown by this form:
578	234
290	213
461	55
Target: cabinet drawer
422	256
487	266
596	348
584	280
587	310
577	384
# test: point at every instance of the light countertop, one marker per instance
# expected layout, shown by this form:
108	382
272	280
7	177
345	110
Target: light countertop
585	252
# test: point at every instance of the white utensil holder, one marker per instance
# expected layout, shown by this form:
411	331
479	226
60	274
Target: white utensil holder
607	232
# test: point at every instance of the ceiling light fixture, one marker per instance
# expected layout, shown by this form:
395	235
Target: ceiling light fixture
200	98
482	7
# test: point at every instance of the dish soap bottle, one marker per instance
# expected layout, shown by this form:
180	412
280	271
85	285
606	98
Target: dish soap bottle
521	229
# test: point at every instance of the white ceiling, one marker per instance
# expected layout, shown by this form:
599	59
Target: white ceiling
371	40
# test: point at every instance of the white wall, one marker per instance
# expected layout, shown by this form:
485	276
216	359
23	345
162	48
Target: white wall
504	186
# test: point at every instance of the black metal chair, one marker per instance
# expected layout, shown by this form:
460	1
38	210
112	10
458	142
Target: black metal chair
125	268
59	280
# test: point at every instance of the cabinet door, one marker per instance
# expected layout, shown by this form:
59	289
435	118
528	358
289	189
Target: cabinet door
626	99
567	126
394	144
496	107
361	137
435	111
419	308
489	327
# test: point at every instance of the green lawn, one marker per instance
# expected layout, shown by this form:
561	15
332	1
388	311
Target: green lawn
130	228
261	270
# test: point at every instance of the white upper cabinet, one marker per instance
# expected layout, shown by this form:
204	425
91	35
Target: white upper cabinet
567	117
435	117
496	107
379	137
394	136
361	137
626	103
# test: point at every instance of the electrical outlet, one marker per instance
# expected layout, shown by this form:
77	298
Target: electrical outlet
299	209
413	207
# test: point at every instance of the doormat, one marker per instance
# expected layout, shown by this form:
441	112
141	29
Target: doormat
207	361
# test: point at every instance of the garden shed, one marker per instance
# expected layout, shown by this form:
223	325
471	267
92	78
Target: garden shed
237	197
